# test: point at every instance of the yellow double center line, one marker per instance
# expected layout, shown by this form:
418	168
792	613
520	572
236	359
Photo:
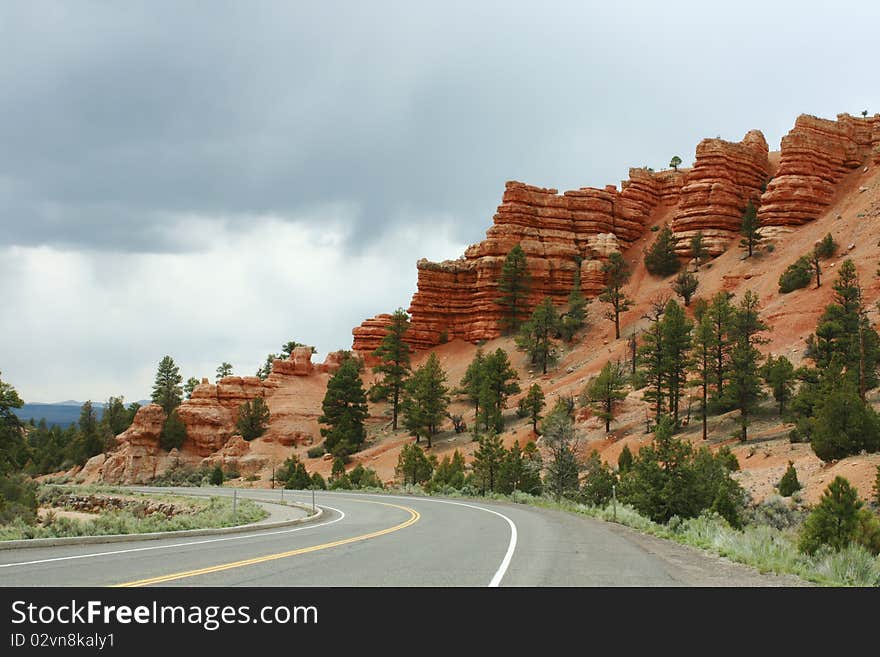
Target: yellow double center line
413	518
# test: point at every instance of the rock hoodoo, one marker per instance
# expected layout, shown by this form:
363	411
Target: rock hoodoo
726	176
138	456
815	156
559	233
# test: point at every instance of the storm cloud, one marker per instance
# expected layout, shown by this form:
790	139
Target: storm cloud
142	138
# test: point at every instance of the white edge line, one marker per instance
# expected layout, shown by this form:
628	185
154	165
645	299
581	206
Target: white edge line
179	545
511	546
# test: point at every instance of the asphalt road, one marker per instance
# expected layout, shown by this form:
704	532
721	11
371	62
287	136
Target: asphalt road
380	540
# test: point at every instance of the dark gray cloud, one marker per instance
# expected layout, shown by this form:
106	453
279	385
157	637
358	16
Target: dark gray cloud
211	179
115	118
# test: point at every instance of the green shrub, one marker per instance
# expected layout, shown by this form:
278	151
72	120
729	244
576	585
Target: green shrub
835	520
253	419
18	499
180	474
827	247
660	259
789	483
444	336
598	483
316	452
318	481
217	476
776	512
797	275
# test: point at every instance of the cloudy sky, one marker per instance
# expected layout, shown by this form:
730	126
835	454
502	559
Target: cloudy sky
210	180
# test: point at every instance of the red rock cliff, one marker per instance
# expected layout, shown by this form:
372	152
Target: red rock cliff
815	156
456	298
726	175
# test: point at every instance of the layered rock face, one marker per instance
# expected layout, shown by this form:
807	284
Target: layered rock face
815	156
137	459
457	298
725	177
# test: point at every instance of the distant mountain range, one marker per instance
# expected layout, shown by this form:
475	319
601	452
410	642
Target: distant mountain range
63	413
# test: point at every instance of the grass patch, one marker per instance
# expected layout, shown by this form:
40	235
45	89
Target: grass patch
200	514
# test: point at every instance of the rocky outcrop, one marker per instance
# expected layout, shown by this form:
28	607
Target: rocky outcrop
137	458
816	155
559	234
725	177
236	456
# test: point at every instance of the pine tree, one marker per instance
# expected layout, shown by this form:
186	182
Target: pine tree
167	391
532	404
845	334
676	348
625	460
698	249
665	359
685	285
189	387
514	286
414	465
575	317
606	390
344	410
173	432
745	390
779	375
487	462
223	370
425	400
513	471
217	476
13	447
536	335
395	368
532	465
497	384
842	424
835	520
599	481
472	383
701	363
265	369
662	481
450	473
750	228
660	259
675	162
617	274
116	418
253	419
653	365
789	483
560	439
721	315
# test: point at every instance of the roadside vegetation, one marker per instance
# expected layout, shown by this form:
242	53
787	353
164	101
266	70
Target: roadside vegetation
121	512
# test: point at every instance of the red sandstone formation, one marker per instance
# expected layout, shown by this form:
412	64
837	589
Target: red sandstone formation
456	298
816	155
725	177
136	460
236	455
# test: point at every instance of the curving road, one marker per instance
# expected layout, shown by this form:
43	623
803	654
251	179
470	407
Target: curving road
382	540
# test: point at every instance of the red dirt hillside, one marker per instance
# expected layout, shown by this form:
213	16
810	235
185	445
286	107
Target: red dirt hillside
825	179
